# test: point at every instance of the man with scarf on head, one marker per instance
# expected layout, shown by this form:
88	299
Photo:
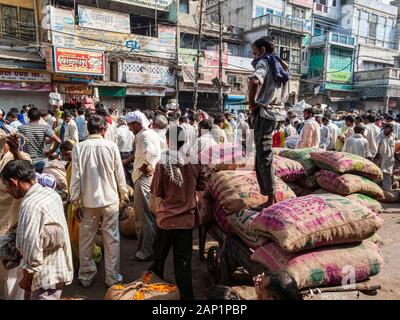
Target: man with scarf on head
175	181
268	91
147	154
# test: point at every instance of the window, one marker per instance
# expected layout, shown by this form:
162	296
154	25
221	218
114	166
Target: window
333	3
299	13
10	21
259	11
143	26
235	49
27	26
373	23
184	6
17	23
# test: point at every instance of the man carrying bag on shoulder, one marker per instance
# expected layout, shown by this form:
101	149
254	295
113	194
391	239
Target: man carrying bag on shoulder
268	91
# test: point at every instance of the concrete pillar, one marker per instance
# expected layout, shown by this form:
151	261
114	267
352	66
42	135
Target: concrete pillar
386	104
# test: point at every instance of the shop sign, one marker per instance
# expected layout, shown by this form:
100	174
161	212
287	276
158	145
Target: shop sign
25	86
206	74
24	75
148	74
48	52
153	4
94	18
74	89
155	92
79	61
72	78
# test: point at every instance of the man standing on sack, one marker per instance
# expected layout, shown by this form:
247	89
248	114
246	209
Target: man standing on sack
268	91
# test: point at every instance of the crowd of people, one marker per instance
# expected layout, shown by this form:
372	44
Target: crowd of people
370	135
66	173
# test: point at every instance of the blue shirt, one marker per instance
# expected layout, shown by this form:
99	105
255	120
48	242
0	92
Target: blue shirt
81	124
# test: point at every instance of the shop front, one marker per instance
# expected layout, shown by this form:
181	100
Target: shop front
20	87
143	97
235	103
74	73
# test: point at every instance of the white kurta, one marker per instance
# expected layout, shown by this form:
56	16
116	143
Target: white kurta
386	150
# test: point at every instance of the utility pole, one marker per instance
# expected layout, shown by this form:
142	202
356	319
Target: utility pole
177	46
197	66
220	89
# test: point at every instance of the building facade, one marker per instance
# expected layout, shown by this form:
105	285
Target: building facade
349	38
288	22
23	78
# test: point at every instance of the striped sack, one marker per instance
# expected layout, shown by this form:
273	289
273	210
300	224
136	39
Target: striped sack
316	220
328	266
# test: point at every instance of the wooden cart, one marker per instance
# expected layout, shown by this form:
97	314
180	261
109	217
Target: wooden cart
232	253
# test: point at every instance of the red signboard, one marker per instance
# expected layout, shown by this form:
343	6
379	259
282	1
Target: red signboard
79	61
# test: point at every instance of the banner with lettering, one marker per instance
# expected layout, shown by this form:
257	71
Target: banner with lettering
69	60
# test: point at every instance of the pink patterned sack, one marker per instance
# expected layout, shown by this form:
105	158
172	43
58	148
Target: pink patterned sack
348	184
240	224
316	220
327	266
239	190
288	170
342	162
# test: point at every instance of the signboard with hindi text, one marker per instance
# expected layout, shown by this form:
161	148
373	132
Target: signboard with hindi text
153	4
94	18
23	75
68	60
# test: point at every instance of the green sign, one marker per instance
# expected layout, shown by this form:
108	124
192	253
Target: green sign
342	76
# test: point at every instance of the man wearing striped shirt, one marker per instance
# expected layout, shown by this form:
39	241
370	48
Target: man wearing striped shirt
42	234
36	135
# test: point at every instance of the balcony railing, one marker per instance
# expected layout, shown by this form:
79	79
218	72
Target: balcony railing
333	38
378	74
279	21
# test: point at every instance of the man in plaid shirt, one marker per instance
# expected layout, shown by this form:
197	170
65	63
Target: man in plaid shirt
41	222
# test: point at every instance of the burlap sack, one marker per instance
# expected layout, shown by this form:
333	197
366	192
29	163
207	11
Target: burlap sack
127	227
327	266
302	156
240	225
348	184
316	220
366	201
57	169
288	170
238	190
298	190
147	287
309	183
342	162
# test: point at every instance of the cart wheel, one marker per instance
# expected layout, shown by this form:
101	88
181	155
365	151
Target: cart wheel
212	264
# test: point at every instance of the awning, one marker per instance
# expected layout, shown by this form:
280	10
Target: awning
27	55
344	99
235	98
112	91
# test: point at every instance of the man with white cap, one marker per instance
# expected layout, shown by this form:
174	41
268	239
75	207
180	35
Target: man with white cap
147	155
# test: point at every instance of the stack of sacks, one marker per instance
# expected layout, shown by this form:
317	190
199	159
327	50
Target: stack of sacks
227	157
306	183
347	184
288	170
234	191
346	173
317	238
240	224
